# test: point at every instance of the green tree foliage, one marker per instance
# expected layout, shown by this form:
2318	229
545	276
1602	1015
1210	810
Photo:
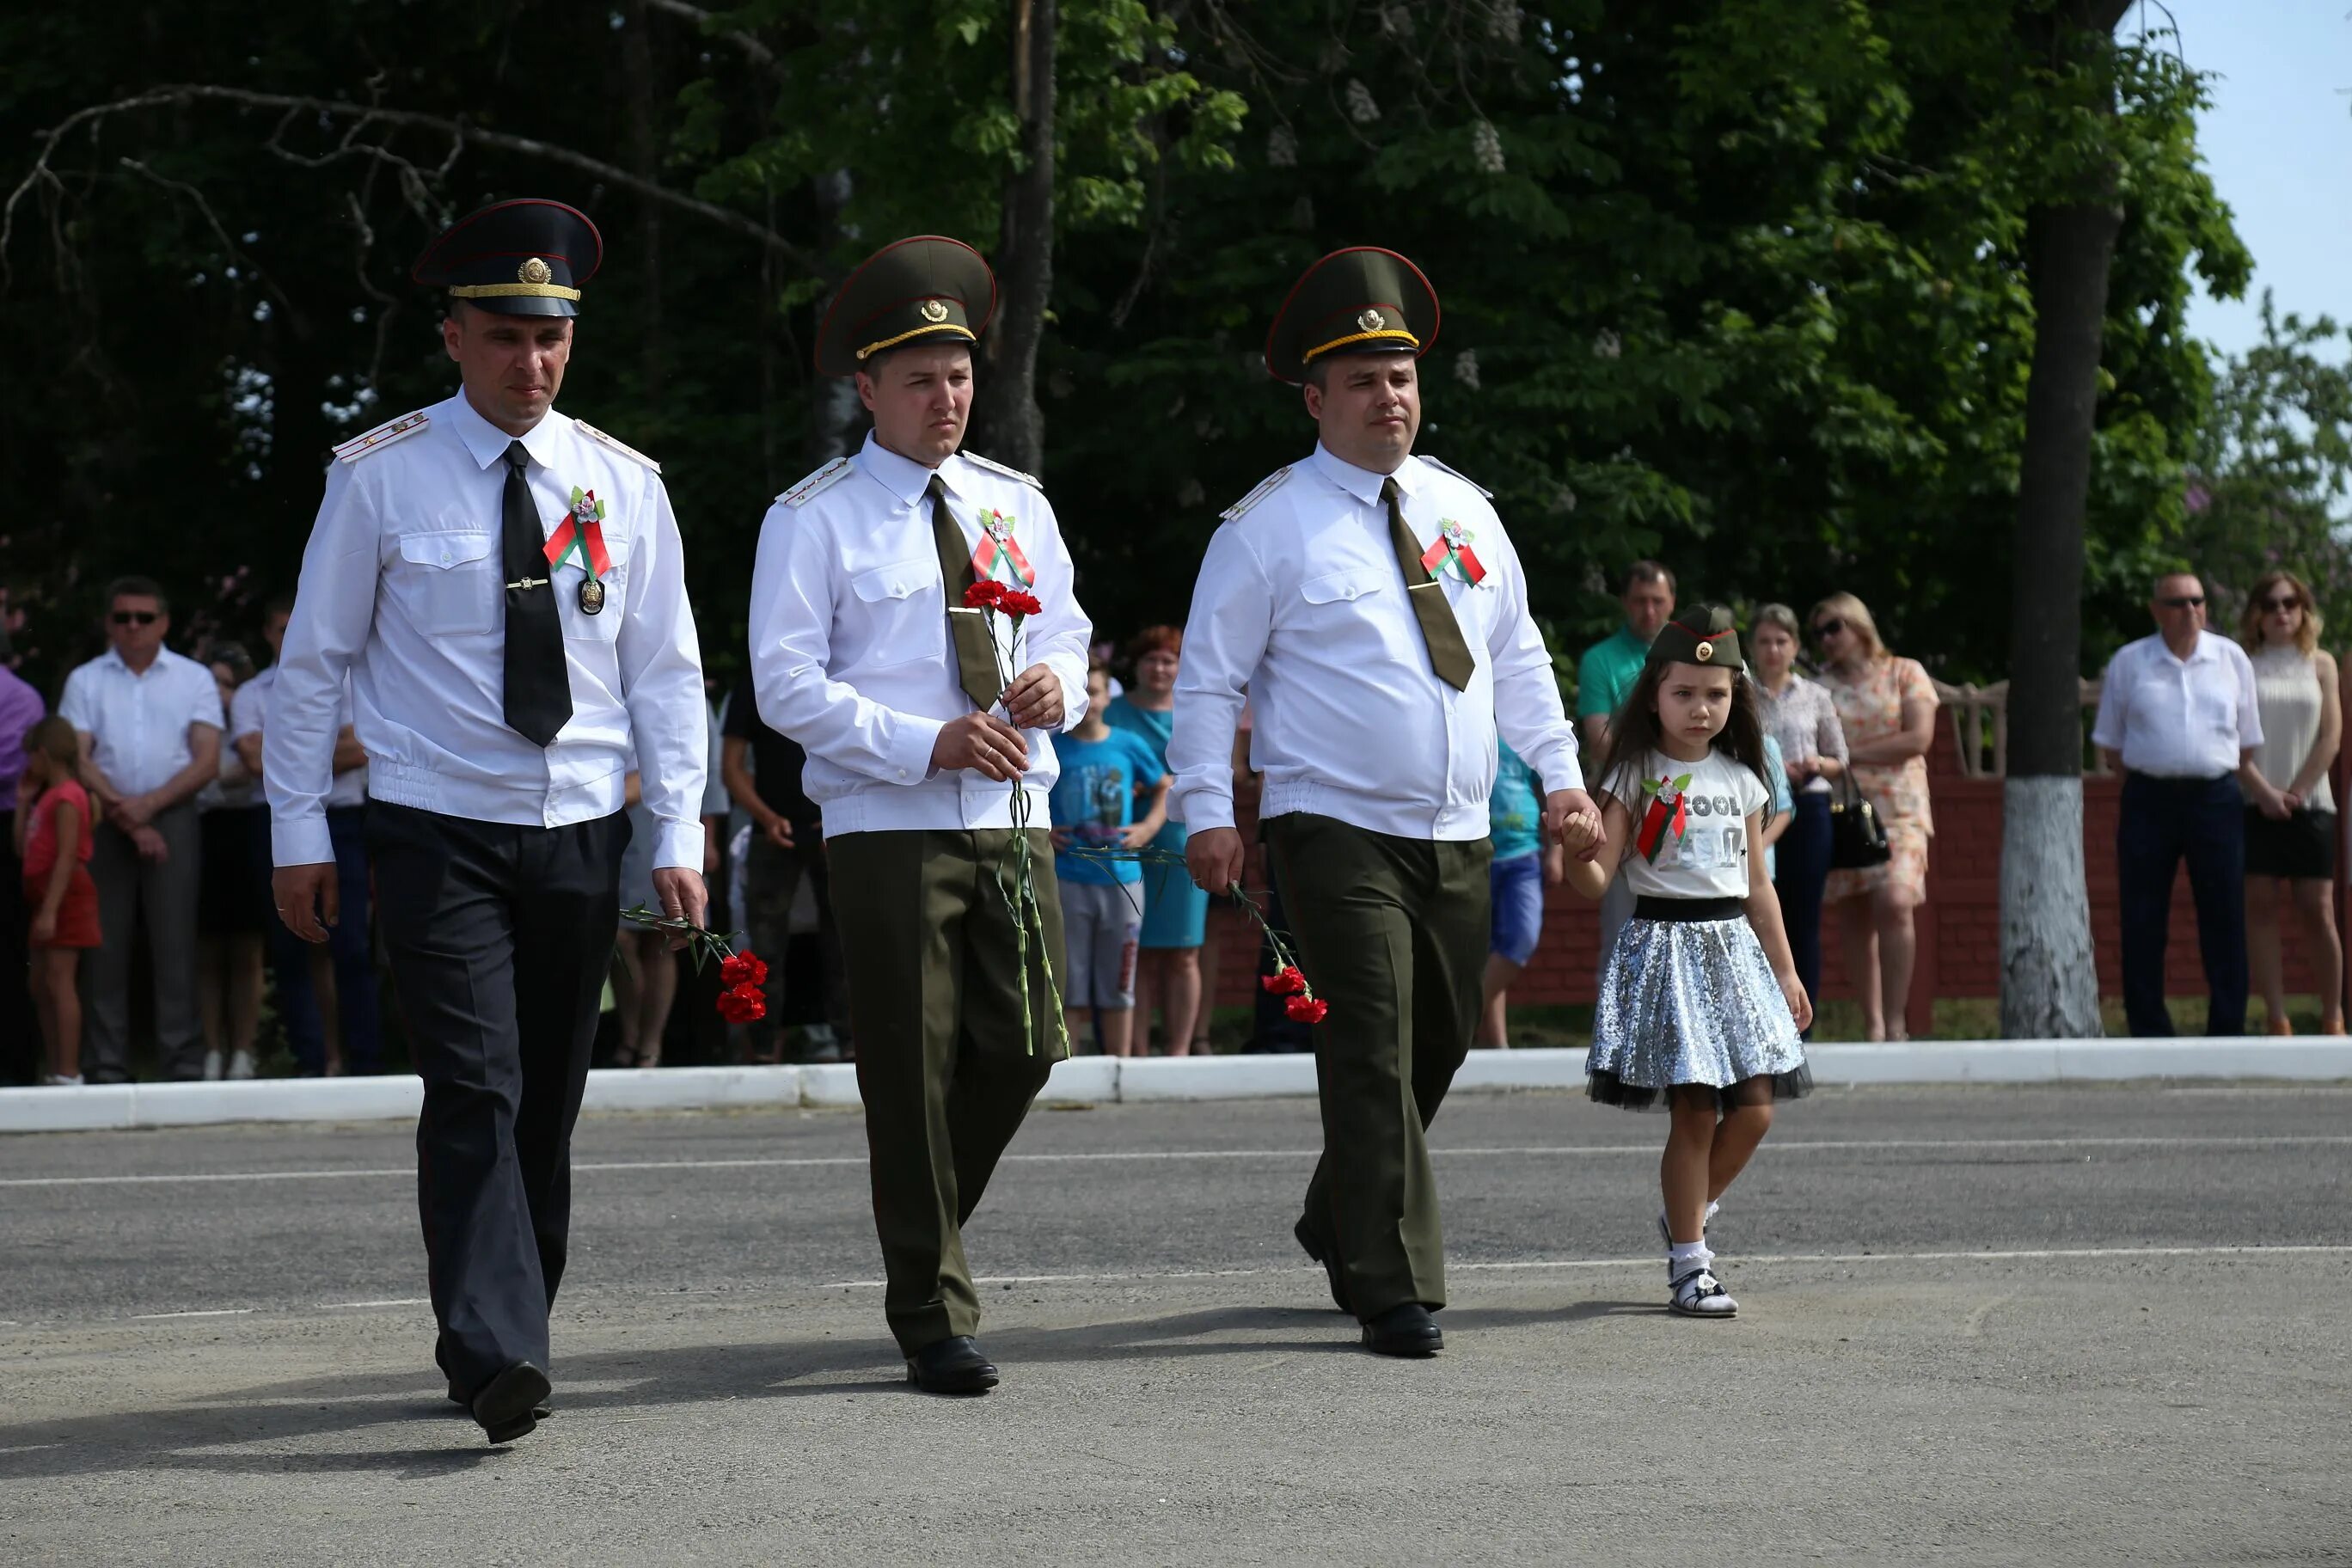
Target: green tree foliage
1737	283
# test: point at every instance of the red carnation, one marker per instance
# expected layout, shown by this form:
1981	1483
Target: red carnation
742	1004
743	969
1016	603
1307	1009
987	595
1284	983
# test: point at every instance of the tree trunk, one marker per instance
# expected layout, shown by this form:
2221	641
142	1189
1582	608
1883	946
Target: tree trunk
1010	425
2050	986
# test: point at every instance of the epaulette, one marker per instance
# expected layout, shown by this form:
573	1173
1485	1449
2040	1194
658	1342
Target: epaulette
993	467
1266	487
621	447
817	483
383	436
1465	479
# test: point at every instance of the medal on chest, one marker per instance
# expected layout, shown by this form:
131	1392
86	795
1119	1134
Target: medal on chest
581	533
1666	816
998	548
1452	554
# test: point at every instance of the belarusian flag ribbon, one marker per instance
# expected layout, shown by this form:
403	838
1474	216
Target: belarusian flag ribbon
1452	550
580	533
1663	816
997	544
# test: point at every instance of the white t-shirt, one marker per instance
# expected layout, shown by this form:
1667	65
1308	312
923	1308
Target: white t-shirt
1707	857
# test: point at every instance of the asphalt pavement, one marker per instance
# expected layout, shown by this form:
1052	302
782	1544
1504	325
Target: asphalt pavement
1997	1325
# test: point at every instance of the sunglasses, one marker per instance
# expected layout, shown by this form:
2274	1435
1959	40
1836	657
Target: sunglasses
142	617
2186	601
2288	602
1829	628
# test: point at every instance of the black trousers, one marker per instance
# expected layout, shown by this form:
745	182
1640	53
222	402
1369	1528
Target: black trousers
1802	872
500	937
2161	823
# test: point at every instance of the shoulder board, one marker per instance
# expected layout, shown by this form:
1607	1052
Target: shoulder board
1465	479
1266	487
383	436
993	467
621	447
817	483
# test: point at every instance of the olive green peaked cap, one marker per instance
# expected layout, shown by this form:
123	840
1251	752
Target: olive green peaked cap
921	289
1359	301
1702	634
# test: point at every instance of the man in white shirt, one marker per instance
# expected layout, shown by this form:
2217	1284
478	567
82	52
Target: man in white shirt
2177	715
919	731
326	999
1373	608
149	722
502	587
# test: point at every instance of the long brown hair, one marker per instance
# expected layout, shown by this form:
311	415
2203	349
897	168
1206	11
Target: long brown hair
2250	620
1634	731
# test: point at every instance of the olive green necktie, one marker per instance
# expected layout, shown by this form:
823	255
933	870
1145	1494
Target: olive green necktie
976	668
1448	654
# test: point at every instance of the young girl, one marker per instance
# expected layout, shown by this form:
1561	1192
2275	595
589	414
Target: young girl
53	839
1700	1005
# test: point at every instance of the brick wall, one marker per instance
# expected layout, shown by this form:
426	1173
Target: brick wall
1959	924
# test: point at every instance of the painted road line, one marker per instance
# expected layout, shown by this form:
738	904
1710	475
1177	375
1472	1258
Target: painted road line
1150	1156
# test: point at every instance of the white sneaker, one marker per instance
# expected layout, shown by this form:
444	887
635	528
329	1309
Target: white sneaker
240	1066
1698	1294
212	1067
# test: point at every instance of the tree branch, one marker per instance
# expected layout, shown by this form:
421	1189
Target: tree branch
755	52
366	115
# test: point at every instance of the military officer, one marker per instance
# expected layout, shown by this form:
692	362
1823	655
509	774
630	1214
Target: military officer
504	587
927	729
1371	604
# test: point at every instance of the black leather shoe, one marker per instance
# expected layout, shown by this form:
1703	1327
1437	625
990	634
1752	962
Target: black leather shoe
457	1398
508	1405
1315	1251
951	1366
1406	1330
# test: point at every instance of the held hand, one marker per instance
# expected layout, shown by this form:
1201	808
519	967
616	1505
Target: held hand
44	927
984	743
1562	807
1034	701
304	894
682	898
1214	856
778	832
2275	806
150	845
137	810
1800	1006
2293	799
1798	768
1579	833
1137	834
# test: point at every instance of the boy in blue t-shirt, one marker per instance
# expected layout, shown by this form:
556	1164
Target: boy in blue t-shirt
1102	899
1522	866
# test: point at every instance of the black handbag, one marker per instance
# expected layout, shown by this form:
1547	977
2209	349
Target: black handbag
1857	838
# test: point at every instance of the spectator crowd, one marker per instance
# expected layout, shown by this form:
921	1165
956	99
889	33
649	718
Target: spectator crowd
142	844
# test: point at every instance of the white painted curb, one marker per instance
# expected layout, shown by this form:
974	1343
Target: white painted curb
1109	1081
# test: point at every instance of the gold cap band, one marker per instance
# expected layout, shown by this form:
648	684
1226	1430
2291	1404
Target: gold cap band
513	290
965	333
1390	334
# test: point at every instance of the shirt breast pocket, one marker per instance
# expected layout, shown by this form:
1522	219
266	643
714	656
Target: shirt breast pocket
1348	614
899	613
449	583
605	623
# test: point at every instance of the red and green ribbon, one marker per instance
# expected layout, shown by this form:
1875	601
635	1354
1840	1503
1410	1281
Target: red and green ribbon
580	533
1452	550
997	544
1663	816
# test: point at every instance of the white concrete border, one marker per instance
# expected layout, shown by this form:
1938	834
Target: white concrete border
1106	1080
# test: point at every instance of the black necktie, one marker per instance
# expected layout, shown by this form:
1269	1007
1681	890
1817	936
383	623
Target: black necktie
976	669
539	687
1449	656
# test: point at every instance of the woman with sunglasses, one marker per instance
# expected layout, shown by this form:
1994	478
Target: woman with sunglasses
2290	809
1886	707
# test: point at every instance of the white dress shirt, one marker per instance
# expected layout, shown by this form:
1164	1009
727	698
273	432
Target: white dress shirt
138	724
1301	601
403	593
249	714
850	650
2179	719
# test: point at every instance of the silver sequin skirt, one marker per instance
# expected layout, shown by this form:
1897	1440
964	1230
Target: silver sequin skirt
1691	1002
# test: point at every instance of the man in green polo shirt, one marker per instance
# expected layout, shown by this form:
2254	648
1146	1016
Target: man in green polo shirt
1604	676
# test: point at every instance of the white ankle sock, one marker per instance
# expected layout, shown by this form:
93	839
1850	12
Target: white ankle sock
1685	1256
